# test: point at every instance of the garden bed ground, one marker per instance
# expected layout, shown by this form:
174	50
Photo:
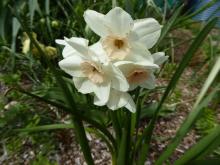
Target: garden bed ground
67	151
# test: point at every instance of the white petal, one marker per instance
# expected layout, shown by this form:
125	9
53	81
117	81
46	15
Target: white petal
81	41
139	54
127	66
71	65
61	42
121	99
118	80
102	91
148	31
79	44
159	58
98	50
95	21
83	85
67	50
118	21
150	83
98	102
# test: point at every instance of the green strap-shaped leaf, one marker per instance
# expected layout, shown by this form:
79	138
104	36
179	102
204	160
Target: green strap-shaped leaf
45	127
194	113
166	28
123	157
198	148
147	134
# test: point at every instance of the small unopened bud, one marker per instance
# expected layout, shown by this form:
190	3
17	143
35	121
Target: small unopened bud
55	24
51	52
42	21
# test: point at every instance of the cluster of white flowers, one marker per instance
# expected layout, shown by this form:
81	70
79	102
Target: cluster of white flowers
119	62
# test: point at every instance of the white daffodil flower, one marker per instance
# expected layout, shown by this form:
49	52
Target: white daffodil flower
142	74
138	75
90	73
122	37
118	99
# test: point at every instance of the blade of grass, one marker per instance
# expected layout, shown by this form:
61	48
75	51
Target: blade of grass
77	114
114	3
47	10
45	128
166	28
208	82
193	115
33	6
147	134
3	14
15	28
50	127
198	148
210	148
78	125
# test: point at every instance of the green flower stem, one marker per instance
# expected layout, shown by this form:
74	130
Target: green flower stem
124	155
116	127
83	141
78	125
135	116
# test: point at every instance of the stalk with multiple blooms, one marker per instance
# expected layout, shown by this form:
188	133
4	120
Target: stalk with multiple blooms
119	62
113	67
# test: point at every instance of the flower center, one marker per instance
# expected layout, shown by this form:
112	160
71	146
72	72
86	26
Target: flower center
119	43
116	47
92	71
137	76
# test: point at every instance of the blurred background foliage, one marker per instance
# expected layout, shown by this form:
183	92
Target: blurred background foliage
23	71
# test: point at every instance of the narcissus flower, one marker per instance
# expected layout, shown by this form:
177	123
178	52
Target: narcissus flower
141	74
91	74
122	37
120	61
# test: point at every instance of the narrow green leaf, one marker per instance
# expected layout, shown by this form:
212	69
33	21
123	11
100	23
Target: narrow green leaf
83	117
15	28
211	161
208	82
121	153
194	113
3	14
116	126
47	10
100	135
147	134
33	6
78	125
45	127
210	149
129	7
124	147
198	148
114	3
166	28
